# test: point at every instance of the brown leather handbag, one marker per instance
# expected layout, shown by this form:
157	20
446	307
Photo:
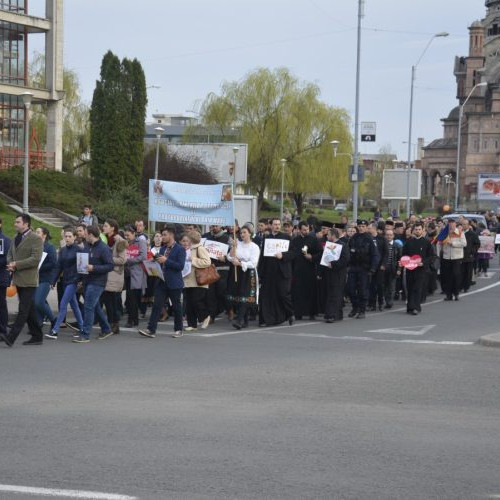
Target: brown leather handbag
206	275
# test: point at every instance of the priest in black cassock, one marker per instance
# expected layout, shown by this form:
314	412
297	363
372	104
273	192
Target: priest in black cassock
275	276
307	251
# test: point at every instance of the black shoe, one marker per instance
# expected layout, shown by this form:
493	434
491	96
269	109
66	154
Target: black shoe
361	315
131	325
456	298
388	306
291	320
6	339
448	298
237	325
414	312
33	341
262	325
330	320
245	325
380	307
352	313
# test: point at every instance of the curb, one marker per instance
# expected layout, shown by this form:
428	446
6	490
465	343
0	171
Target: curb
492	340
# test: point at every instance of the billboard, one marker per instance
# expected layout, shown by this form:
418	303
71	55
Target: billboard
183	203
219	158
488	187
394	183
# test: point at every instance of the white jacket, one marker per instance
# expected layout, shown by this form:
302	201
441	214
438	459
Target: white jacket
454	250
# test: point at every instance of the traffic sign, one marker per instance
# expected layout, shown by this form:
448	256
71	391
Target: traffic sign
368	131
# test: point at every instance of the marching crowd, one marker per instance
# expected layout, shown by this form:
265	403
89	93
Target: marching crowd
318	270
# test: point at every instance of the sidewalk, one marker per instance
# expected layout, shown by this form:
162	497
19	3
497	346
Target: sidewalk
492	340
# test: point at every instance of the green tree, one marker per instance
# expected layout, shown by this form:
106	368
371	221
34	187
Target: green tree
76	132
117	119
279	117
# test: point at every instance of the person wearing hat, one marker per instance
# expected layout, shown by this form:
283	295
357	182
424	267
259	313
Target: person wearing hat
363	262
377	280
307	252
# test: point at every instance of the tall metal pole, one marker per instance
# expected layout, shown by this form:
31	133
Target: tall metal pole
26	96
159	131
356	118
283	163
408	172
459	145
459	142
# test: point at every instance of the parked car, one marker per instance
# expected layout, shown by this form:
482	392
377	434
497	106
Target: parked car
469	216
341	207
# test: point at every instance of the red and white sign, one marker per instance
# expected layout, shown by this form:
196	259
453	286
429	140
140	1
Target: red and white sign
411	263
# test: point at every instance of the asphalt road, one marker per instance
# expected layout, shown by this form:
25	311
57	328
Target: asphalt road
391	407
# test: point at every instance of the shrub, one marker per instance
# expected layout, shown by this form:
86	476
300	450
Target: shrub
126	204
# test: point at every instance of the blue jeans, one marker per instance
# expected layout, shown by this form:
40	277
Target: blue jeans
41	307
163	293
69	297
92	308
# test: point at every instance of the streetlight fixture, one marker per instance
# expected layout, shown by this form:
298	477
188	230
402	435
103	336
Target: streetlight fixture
283	165
459	141
413	72
159	131
27	98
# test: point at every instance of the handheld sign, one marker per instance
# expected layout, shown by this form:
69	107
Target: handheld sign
331	253
411	263
274	246
216	249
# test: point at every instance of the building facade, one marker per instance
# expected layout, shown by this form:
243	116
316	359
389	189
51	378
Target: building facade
16	27
480	131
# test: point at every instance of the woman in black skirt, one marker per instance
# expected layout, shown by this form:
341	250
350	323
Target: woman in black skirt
242	288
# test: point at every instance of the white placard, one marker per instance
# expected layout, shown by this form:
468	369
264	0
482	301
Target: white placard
82	261
153	269
331	253
1	246
44	256
274	246
216	249
497	239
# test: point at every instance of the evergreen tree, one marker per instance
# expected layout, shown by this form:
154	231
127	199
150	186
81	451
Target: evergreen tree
117	123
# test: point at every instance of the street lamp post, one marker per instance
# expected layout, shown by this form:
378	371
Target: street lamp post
413	72
335	146
159	131
27	98
283	164
459	142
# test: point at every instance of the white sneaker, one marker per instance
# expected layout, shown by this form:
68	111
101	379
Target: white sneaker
205	323
177	335
191	329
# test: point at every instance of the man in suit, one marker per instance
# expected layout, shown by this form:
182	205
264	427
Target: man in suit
22	260
4	279
171	258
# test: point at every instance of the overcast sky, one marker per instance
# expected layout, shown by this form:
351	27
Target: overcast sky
189	47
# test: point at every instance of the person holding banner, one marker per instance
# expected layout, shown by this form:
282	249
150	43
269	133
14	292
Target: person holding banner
171	258
196	295
334	263
242	290
275	274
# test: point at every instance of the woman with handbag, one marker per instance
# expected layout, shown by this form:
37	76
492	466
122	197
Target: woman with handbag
242	288
196	294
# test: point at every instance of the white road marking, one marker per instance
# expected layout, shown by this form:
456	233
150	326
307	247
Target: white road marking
371	339
50	492
262	330
404	330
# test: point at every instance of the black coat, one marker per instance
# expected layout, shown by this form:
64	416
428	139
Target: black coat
473	244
